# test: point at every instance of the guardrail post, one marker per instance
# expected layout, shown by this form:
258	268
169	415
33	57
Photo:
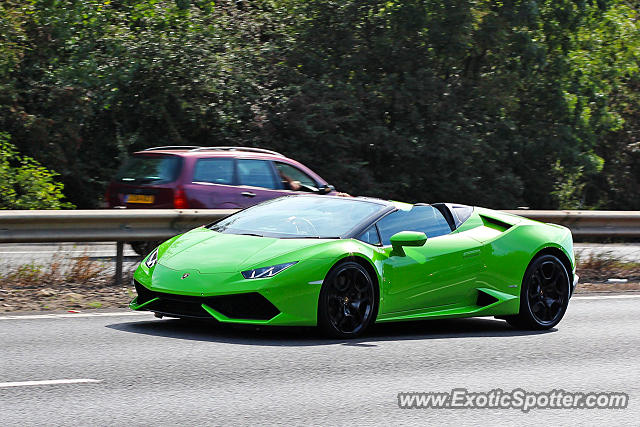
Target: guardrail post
119	262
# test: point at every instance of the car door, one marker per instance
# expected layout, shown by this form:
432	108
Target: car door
443	273
212	185
257	182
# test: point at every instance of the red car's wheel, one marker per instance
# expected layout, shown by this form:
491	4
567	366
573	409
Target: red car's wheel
144	248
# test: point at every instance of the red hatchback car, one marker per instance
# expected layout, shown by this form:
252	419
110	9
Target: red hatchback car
185	177
188	177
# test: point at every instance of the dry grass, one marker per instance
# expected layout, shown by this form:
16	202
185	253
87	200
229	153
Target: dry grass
64	283
600	267
60	271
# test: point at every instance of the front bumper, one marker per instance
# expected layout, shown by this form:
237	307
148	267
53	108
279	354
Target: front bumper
289	298
248	307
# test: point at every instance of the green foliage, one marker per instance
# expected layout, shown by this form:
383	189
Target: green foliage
24	183
495	103
473	101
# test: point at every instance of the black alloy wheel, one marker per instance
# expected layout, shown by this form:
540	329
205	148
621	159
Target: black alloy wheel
348	301
544	296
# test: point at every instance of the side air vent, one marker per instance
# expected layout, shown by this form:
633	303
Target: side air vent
484	299
496	224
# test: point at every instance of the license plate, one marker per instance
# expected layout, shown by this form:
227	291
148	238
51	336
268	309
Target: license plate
138	198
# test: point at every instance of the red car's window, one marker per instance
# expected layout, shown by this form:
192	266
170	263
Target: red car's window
150	169
256	173
216	171
295	174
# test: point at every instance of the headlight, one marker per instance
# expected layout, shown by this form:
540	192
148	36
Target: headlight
152	259
264	272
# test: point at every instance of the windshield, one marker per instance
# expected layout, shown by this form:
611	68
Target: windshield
150	169
300	217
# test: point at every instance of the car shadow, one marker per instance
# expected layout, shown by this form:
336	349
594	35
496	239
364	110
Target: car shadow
300	336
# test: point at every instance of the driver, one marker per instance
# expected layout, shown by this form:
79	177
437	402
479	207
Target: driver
289	182
292	184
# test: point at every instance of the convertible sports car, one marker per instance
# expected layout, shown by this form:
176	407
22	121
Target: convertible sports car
345	263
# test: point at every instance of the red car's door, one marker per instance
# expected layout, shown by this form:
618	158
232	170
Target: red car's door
212	185
257	182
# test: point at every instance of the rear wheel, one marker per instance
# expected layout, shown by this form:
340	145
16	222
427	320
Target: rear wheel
544	296
348	301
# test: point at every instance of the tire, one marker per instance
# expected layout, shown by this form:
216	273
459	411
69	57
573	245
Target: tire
144	247
544	295
348	302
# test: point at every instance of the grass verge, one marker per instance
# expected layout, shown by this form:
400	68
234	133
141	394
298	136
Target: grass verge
65	283
603	272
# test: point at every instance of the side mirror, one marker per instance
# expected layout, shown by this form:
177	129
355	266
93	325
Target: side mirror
408	238
325	189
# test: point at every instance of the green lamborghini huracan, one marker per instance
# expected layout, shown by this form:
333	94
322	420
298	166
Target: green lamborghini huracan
344	263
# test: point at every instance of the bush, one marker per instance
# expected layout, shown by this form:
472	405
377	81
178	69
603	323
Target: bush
24	183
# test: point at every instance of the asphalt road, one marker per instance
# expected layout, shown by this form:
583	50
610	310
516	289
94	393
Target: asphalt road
166	372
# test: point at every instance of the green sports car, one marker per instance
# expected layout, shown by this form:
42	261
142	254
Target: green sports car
344	263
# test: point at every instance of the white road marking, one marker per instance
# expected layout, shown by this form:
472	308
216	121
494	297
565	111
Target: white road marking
69	315
611	246
50	382
607	296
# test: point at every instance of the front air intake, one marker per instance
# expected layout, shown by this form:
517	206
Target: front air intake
248	306
243	306
144	294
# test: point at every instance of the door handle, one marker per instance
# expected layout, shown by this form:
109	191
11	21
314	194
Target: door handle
248	194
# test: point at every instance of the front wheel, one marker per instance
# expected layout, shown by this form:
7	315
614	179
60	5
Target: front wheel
348	301
544	296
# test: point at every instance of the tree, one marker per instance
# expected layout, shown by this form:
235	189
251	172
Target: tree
494	103
24	183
